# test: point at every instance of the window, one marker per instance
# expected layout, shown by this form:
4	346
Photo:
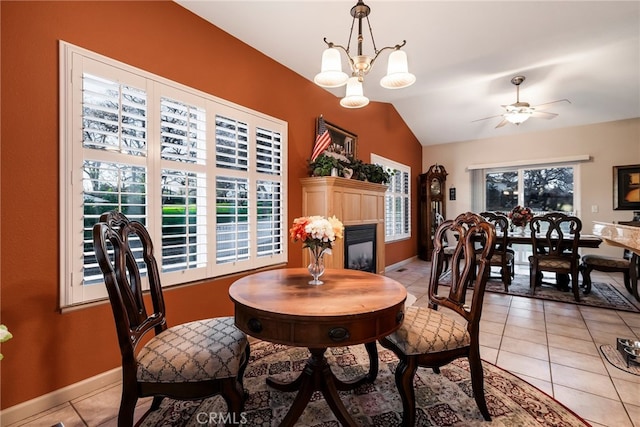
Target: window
205	176
541	189
397	201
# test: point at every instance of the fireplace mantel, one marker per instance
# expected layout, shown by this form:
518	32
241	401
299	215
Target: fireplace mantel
353	202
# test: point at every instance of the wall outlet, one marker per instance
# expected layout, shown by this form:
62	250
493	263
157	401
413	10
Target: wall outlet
594	208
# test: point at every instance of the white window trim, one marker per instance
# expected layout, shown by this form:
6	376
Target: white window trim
393	165
70	183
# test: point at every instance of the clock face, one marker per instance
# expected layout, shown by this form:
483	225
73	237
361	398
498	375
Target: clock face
435	187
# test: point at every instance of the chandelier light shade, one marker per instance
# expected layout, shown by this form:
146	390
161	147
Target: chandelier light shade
331	74
355	96
398	75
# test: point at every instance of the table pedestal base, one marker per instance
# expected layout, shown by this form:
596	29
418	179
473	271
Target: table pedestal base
317	376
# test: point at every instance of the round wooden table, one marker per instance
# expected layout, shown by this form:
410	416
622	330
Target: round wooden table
351	307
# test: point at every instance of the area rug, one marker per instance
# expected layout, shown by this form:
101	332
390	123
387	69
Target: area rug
602	295
442	400
613	356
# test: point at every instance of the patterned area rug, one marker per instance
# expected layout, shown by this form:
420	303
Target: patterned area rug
443	400
602	295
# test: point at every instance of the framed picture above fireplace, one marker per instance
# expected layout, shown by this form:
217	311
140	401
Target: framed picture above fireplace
342	141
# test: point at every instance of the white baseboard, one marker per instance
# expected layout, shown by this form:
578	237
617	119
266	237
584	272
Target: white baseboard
397	265
58	397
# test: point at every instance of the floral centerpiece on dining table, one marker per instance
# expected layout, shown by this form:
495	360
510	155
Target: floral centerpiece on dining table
520	216
318	234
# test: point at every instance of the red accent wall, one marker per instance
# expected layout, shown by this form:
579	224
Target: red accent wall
51	350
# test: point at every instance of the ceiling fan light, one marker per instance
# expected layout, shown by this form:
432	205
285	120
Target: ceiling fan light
398	75
517	117
331	74
354	97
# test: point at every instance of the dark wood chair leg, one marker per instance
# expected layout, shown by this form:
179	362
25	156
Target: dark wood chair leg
477	383
155	403
586	278
243	365
405	371
233	395
574	285
127	407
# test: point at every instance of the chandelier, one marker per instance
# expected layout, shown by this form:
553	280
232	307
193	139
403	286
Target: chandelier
331	74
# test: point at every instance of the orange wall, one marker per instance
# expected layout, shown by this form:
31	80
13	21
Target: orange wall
51	350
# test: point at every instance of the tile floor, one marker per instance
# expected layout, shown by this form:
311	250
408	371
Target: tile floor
553	346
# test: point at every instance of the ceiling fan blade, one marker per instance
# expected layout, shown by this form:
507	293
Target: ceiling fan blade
487	118
543	115
547	104
502	123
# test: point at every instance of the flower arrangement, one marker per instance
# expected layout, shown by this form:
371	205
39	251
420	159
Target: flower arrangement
520	216
316	232
5	335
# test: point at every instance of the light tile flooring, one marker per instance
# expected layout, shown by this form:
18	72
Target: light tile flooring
553	346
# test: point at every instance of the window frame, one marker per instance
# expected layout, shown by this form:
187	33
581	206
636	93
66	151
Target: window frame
404	194
73	60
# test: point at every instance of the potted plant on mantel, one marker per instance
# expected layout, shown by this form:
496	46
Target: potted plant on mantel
325	165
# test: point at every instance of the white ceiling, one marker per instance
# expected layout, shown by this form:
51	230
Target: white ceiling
464	54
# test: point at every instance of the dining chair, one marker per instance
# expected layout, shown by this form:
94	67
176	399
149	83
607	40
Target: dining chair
607	264
190	361
555	239
430	338
503	255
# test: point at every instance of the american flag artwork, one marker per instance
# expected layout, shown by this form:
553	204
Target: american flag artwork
323	140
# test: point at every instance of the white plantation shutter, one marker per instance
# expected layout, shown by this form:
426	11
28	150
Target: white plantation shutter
271	228
211	196
112	165
232	138
183	140
397	200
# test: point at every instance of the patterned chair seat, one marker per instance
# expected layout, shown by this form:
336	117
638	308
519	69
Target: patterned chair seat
553	263
193	351
604	263
429	331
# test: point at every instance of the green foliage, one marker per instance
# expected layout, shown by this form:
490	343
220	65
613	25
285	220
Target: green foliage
323	165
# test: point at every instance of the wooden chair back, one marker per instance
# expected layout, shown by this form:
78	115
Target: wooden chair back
555	235
124	252
469	263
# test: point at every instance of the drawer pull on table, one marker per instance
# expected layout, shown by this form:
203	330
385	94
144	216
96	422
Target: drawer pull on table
254	325
339	334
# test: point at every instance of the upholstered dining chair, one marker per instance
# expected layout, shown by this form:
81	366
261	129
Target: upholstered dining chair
605	263
554	239
502	255
430	338
191	361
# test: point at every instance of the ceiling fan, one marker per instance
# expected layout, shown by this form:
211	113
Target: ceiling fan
520	112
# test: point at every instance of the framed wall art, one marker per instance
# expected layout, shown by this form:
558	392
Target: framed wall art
342	141
626	187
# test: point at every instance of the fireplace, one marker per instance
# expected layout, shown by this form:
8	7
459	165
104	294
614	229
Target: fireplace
360	247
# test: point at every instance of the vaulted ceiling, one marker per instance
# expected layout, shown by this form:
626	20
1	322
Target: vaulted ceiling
464	55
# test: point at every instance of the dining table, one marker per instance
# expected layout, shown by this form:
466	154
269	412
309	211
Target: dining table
351	307
585	240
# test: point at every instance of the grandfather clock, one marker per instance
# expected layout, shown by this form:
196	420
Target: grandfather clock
431	209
